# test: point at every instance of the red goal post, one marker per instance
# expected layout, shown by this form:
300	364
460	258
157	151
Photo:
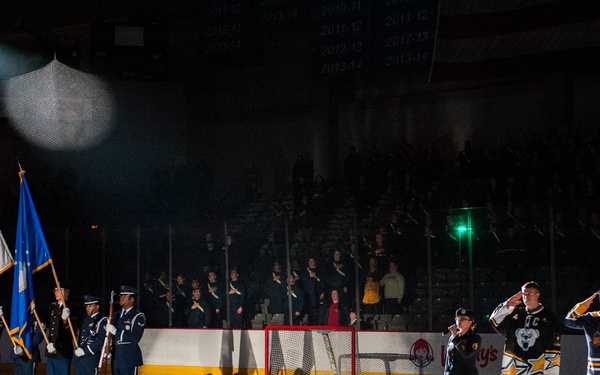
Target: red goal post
304	350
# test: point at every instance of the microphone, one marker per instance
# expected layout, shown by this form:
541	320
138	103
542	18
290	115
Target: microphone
448	331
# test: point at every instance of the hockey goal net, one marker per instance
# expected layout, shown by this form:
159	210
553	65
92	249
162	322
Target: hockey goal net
304	350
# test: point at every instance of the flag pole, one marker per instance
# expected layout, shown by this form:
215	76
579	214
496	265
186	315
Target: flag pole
62	299
41	327
8	330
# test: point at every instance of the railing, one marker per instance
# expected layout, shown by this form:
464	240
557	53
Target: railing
470	257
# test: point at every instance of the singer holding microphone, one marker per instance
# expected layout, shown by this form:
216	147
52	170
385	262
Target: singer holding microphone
463	345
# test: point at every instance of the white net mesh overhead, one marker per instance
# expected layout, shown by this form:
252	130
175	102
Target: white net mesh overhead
59	108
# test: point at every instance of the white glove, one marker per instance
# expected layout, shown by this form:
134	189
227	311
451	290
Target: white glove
112	329
51	349
65	313
79	352
18	350
1	311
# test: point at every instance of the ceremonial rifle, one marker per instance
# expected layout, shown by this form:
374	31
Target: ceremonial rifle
106	347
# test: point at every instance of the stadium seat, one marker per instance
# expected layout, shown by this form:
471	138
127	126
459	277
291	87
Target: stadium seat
399	322
304	321
381	321
259	320
368	322
264	308
276	320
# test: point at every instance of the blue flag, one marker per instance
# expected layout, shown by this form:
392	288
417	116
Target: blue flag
31	255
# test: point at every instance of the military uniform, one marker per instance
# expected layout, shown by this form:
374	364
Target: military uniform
22	365
461	353
532	344
130	324
60	336
91	341
589	322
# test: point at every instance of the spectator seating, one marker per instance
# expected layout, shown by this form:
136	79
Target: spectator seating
276	320
259	321
382	321
399	322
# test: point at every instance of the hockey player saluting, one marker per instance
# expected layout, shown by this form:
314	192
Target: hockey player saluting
532	345
577	318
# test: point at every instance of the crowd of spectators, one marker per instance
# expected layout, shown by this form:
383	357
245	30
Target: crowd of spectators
515	197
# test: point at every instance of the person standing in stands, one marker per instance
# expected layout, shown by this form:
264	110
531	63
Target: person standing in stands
276	291
237	292
197	311
194	284
148	301
234	254
297	295
163	304
589	322
313	284
532	341
354	320
338	272
463	345
216	299
161	283
127	327
393	289
371	293
182	293
163	301
336	312
208	255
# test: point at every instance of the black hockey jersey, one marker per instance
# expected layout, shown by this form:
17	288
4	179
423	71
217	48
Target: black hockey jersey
532	344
